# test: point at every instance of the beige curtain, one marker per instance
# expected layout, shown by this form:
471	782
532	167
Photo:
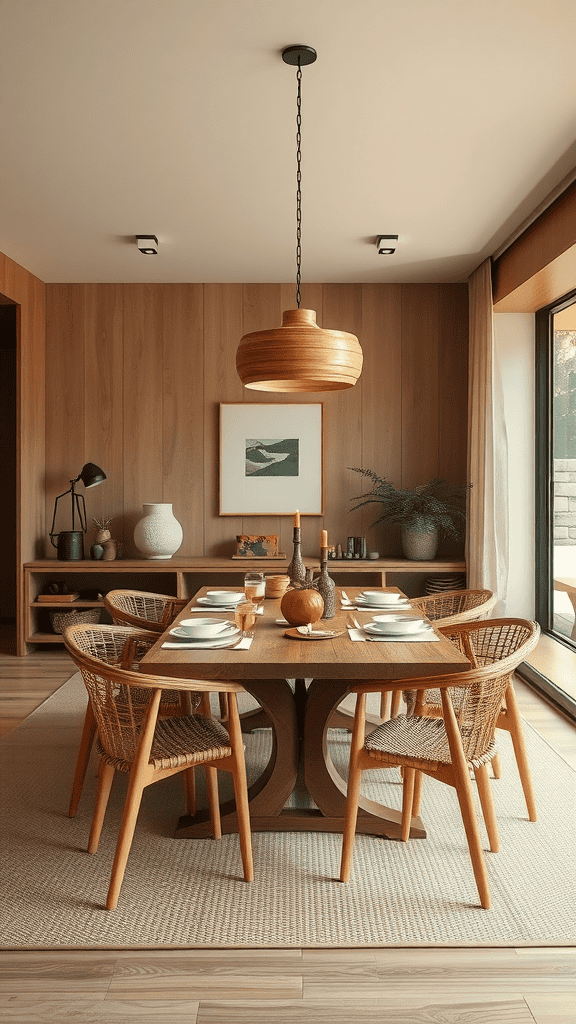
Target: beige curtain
487	523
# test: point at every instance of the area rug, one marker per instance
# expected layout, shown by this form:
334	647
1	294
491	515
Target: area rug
190	893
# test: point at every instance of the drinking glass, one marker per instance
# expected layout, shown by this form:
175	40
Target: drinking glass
254	586
245	616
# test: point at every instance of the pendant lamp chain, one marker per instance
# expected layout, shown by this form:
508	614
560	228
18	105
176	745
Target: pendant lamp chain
298	184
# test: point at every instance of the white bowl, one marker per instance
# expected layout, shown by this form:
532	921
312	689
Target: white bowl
203	627
397	623
377	597
225	596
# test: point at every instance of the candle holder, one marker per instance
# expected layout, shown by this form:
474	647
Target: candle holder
326	586
296	570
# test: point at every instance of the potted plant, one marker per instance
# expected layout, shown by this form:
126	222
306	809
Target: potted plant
424	513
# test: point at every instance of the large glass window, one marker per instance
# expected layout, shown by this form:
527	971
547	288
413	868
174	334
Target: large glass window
556	474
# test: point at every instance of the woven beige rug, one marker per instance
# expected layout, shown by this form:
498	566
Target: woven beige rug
189	893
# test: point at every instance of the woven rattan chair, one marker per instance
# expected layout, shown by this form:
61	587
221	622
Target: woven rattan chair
423	745
508	717
445	609
154	612
124	646
143	610
133	739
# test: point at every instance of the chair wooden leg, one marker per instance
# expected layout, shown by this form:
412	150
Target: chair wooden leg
105	779
190	790
86	741
407	798
141	775
223	702
213	800
485	794
496	767
131	807
240	787
354	780
385	705
416	799
463	788
515	726
395	703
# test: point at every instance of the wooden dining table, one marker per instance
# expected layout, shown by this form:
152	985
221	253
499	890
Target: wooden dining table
300	714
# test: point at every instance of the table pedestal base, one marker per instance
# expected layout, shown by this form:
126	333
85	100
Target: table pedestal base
300	723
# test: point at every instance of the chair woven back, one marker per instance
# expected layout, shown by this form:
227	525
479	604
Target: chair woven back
99	651
118	699
456	605
495	648
139	608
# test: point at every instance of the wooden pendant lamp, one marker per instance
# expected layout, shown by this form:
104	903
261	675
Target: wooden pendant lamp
299	356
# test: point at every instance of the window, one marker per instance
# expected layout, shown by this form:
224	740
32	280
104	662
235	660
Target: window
556	476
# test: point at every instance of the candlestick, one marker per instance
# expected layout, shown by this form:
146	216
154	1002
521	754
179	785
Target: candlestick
297	518
324	538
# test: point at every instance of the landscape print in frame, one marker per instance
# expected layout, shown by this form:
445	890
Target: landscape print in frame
270	459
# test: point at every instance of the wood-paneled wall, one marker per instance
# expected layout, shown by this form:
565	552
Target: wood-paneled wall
135	375
29	293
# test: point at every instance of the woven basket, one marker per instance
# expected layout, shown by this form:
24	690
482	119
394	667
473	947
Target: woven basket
60	620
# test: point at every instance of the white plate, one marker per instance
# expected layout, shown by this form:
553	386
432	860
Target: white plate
416	631
222	605
224	634
400	603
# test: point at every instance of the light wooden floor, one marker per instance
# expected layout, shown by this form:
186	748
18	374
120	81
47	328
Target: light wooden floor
392	986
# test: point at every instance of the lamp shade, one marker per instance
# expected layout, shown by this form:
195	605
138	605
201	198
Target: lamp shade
91	475
299	356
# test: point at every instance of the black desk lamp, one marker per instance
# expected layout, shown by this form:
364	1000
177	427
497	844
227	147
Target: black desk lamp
70	544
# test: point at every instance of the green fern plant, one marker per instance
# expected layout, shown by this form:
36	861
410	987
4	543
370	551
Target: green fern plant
437	505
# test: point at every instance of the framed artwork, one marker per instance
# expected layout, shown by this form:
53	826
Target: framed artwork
270	459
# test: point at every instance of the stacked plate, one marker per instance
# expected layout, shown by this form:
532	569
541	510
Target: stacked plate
398	625
448	581
221	639
222	599
380	599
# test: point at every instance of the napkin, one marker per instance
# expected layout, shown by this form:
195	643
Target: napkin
244	645
427	637
210	609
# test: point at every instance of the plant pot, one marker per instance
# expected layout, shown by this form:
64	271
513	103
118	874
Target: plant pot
158	534
419	541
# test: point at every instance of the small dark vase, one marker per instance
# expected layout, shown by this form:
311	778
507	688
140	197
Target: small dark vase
96	552
296	570
326	588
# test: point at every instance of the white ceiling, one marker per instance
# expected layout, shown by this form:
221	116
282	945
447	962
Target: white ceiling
443	121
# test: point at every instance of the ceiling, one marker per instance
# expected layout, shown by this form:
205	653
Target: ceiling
443	121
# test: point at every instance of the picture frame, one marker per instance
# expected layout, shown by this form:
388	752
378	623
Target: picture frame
271	459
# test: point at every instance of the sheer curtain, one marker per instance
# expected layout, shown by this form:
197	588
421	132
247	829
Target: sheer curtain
487	524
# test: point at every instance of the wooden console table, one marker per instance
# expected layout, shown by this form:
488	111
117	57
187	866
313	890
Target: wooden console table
182	577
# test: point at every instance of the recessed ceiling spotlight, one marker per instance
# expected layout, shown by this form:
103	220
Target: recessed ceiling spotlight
148	244
386	244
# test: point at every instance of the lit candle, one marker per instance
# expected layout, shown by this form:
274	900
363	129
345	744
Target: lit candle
324	539
296	518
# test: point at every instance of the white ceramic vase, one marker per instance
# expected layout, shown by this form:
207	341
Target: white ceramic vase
158	534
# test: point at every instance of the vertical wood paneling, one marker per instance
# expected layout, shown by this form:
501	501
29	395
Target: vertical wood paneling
183	426
381	402
420	339
262	309
66	403
222	332
453	381
342	311
405	419
104	411
143	330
